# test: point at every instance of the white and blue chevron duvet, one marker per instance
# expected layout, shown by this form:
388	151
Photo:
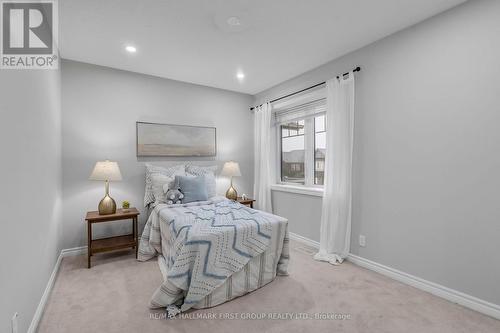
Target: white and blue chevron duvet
203	244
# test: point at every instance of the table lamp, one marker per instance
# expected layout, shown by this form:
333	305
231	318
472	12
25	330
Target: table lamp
231	169
106	171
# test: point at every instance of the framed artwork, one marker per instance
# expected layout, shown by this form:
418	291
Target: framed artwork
175	140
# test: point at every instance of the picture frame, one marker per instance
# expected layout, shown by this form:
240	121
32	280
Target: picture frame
172	140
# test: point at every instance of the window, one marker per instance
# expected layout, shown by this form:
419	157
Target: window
292	152
302	137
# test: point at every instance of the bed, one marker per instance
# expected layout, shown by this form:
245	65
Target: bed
213	251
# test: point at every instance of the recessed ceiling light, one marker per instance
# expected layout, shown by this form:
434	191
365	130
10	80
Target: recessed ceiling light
240	75
233	21
130	49
229	21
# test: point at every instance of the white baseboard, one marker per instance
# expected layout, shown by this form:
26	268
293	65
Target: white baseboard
449	294
45	296
446	293
50	284
75	251
303	240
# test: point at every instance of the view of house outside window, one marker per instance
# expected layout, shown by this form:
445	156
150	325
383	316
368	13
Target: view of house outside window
294	151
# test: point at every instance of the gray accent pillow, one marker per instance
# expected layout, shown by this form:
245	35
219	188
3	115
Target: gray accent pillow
193	188
208	172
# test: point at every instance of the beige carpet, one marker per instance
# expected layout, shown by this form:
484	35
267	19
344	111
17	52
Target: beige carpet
113	296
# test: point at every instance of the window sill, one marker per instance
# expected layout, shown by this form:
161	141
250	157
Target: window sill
314	191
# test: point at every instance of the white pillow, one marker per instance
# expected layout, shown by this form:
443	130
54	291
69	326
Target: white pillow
161	184
176	170
208	172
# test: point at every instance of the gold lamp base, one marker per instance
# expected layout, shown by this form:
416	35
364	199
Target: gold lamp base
107	206
231	193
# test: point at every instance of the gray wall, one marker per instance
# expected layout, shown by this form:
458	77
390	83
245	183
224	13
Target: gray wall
427	149
100	108
303	212
30	196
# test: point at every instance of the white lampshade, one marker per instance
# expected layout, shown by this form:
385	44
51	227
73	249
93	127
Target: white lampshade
106	170
231	169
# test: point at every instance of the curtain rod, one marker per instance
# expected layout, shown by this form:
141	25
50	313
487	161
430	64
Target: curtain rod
357	69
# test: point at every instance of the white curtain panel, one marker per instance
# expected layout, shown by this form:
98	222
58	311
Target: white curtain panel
336	210
262	146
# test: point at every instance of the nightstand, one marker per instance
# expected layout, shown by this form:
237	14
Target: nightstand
247	202
111	243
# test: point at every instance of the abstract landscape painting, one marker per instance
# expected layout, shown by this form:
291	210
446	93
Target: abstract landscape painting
175	140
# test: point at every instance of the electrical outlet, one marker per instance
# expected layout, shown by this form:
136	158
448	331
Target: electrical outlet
362	240
14	323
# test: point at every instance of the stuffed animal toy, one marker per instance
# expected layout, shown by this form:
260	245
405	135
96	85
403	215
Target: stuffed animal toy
174	196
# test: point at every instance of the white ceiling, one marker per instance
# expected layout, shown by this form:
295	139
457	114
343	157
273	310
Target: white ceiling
190	40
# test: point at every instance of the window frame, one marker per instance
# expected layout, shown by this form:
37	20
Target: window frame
309	154
314	148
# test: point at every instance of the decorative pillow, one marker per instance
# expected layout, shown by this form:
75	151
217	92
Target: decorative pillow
208	172
161	184
193	188
172	171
